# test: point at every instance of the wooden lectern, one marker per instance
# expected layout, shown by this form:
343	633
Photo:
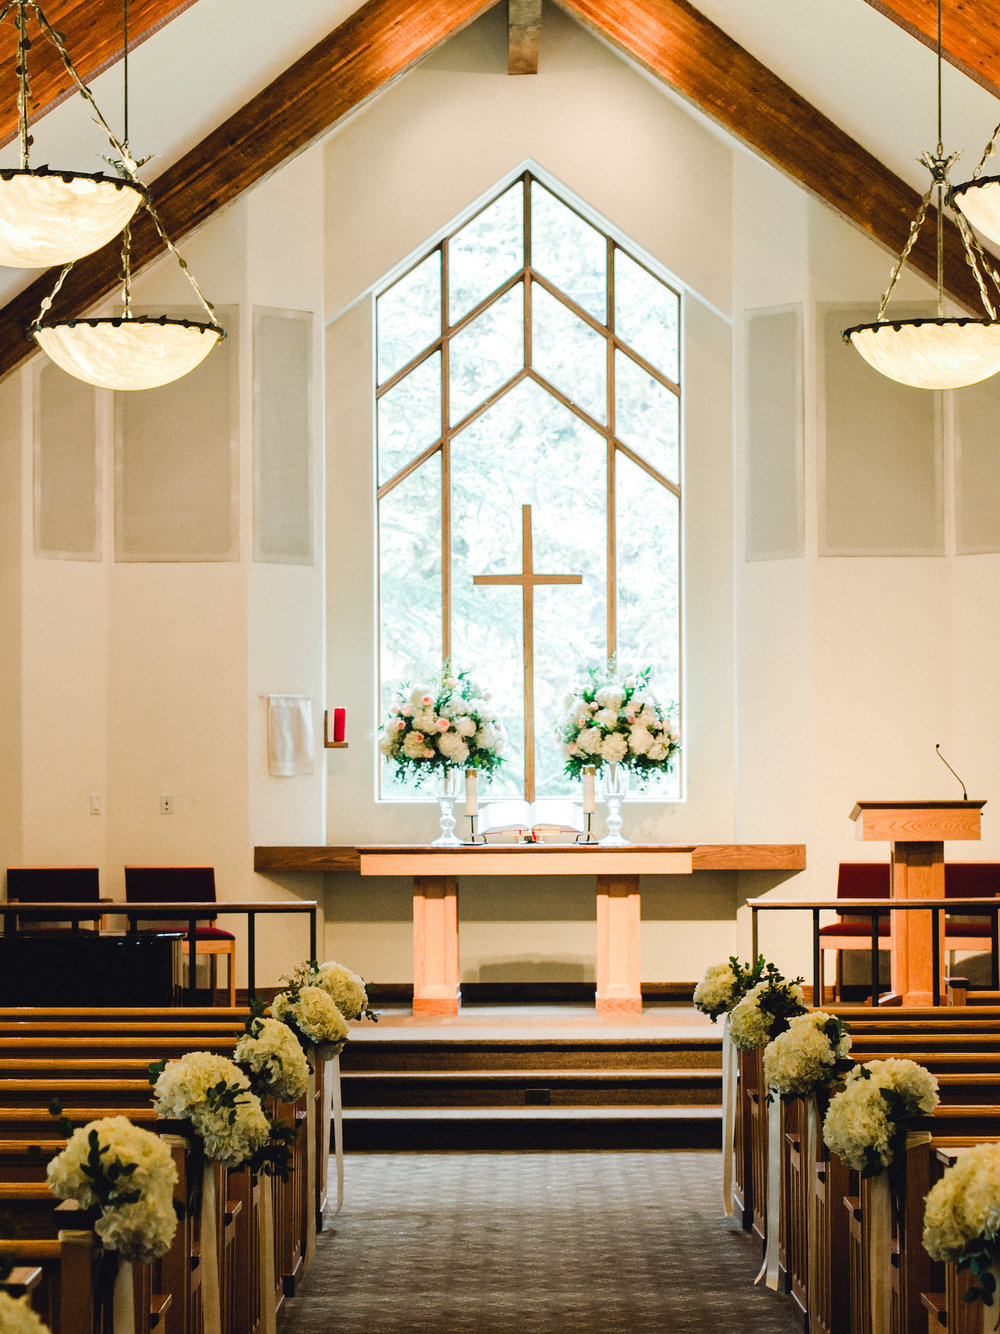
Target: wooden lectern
917	832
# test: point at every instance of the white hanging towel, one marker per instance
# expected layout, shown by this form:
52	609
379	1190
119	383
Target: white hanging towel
291	745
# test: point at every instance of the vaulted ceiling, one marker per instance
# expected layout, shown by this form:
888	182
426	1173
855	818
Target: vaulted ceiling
677	43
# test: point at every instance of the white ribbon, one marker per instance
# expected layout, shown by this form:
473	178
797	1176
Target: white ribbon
769	1268
333	1113
310	1238
810	1151
210	1301
879	1253
265	1247
123	1299
729	1067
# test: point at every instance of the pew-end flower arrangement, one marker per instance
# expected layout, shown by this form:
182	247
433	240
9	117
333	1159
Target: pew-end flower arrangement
346	989
448	724
803	1059
613	717
962	1219
128	1175
214	1096
725	984
17	1317
272	1057
867	1121
765	1010
314	1019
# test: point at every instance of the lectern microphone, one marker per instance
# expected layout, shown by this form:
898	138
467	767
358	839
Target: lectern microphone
965	795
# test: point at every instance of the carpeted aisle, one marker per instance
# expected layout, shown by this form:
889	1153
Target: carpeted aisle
535	1243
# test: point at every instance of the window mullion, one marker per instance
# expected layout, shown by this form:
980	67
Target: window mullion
445	463
611	549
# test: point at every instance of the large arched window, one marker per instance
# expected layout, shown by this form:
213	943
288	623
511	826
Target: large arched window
529	360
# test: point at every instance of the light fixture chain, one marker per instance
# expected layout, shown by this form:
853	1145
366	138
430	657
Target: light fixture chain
47	301
990	149
209	309
127	272
128	163
972	248
904	254
23	88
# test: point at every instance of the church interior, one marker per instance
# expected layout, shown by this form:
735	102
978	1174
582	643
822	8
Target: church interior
212	589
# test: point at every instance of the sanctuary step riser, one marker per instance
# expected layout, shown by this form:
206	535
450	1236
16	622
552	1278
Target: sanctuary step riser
524	1134
421	1056
687	1089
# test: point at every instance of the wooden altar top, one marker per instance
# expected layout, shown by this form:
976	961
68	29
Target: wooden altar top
533	858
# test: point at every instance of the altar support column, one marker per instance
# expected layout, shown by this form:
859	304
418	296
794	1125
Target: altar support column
435	945
618	945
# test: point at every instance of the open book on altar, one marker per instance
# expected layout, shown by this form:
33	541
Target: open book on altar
548	815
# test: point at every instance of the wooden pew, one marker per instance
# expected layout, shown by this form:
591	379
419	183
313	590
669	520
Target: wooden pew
62	1293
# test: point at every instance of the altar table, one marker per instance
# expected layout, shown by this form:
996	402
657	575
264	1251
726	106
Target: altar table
435	873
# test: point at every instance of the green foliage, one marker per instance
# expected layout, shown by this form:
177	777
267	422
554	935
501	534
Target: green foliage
109	1179
156	1069
275	1157
978	1259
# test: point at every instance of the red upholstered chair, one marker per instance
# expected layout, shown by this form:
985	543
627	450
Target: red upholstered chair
871	880
55	884
185	884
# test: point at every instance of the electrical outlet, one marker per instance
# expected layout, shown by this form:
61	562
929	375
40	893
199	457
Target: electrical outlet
95	803
166	804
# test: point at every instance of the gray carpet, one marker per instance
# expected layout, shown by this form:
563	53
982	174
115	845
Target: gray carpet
534	1243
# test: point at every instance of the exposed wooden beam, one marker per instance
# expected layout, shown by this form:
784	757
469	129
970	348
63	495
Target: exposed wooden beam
92	30
679	45
970	36
380	41
524	22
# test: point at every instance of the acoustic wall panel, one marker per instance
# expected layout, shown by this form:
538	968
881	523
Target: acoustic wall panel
774	519
67	474
282	438
881	484
977	467
176	464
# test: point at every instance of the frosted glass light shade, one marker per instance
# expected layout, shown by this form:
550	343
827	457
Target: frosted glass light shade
52	217
139	353
931	353
979	200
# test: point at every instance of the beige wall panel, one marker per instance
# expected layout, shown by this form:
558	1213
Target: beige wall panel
976	424
773	351
67	473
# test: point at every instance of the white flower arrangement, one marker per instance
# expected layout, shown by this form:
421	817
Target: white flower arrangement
17	1317
449	724
962	1217
724	984
805	1056
613	718
346	989
867	1118
314	1019
214	1095
271	1052
129	1174
765	1010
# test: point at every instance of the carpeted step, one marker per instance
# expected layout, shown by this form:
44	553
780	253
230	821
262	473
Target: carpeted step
539	1086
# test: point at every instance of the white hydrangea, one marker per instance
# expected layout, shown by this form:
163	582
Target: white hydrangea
143	1229
859	1126
804	1056
606	717
715	993
964	1206
610	697
614	747
275	1052
346	989
464	726
452	746
17	1317
315	1016
589	740
229	1135
750	1025
640	739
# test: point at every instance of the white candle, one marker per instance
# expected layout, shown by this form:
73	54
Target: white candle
588	790
471	792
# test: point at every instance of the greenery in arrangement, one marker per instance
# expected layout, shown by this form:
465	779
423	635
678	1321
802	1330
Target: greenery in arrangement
765	1010
962	1219
214	1095
614	718
804	1057
724	984
867	1120
314	1019
346	989
449	724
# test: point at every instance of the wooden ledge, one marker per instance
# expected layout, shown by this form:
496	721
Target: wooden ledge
333	860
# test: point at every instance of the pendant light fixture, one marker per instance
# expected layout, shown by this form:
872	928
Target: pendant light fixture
50	217
939	352
979	199
129	351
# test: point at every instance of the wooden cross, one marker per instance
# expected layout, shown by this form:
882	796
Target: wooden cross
528	579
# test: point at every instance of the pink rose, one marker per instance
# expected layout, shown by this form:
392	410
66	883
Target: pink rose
418	736
443	724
